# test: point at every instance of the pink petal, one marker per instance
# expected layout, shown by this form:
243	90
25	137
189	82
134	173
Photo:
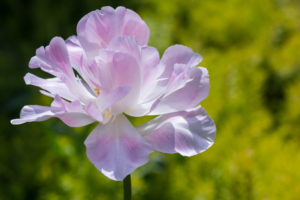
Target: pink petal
126	44
125	72
96	29
106	100
185	93
71	113
53	59
151	70
179	54
76	52
117	149
134	25
186	132
74	119
150	89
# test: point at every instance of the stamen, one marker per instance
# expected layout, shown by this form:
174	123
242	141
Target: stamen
97	91
106	116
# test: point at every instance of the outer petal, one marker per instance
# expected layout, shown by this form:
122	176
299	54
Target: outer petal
116	148
96	29
187	132
134	25
76	52
183	92
71	113
53	85
53	59
151	87
33	113
178	54
151	70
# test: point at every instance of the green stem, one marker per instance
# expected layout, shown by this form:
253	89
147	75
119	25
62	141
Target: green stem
127	188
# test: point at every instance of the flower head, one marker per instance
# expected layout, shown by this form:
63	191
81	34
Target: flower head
107	70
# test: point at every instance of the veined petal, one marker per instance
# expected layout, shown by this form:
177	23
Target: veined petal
116	148
186	132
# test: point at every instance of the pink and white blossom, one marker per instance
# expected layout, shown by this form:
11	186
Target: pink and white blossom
108	70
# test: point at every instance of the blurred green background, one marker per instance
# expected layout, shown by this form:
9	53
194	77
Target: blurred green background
252	51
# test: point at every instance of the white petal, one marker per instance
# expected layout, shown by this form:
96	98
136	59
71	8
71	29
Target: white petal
31	113
53	85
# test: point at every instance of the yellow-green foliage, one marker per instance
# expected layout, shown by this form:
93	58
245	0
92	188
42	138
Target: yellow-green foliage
252	51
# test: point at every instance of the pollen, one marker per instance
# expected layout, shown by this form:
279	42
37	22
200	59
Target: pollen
97	91
106	116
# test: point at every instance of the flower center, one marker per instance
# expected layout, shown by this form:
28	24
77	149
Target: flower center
106	116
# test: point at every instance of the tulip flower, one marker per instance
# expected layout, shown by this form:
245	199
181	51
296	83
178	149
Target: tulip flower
108	71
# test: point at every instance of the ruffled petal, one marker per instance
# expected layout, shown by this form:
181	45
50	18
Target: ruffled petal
116	148
151	71
134	25
96	29
31	113
185	90
151	87
53	85
186	132
53	59
71	113
178	54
